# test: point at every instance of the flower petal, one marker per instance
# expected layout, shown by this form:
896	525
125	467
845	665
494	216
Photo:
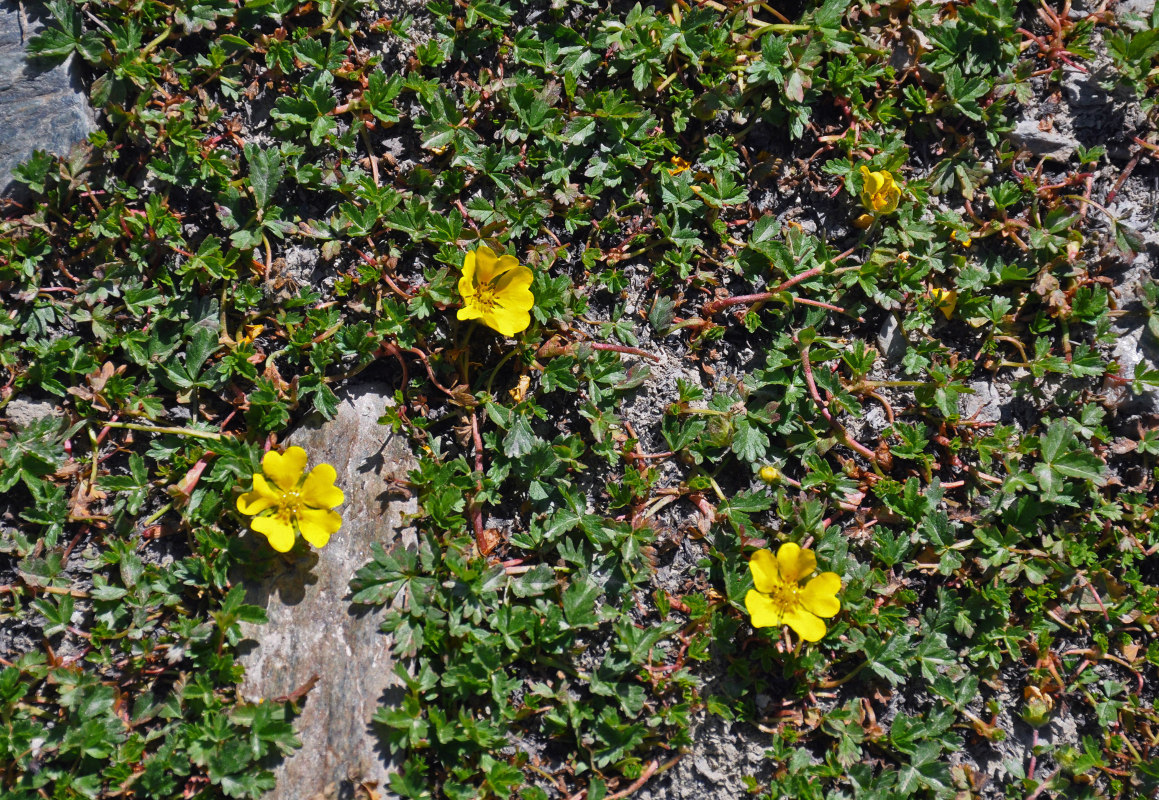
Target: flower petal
808	626
794	562
513	289
871	181
259	499
761	610
885	201
485	259
319	490
469	311
277	529
766	573
468	270
507	321
820	595
467	288
285	469
505	264
318	525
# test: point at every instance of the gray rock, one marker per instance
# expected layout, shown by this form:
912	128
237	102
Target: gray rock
1131	350
1140	8
22	413
891	340
723	757
983	405
314	631
1045	144
42	107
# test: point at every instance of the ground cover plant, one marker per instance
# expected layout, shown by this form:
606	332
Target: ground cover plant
693	310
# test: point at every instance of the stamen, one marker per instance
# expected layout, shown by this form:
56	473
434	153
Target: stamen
784	597
484	297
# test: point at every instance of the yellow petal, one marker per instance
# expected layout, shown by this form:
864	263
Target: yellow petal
279	532
258	500
468	270
507	321
505	264
886	201
319	490
873	181
794	562
820	595
761	610
318	525
467	288
485	259
285	469
808	626
469	311
514	289
945	300
766	573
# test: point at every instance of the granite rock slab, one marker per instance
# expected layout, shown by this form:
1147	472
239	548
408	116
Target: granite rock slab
42	106
314	632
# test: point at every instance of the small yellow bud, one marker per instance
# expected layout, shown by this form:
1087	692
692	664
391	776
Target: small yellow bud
945	300
769	474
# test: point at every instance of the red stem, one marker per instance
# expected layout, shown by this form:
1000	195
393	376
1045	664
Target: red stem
841	432
717	305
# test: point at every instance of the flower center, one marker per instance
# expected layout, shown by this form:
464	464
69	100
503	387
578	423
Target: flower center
289	505
485	297
784	597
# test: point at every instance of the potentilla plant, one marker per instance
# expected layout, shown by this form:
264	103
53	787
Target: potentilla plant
496	290
779	598
285	501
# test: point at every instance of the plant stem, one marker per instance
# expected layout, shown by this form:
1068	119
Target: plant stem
162	511
841	432
196	434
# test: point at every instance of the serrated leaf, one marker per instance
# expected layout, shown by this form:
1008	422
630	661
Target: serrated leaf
749	442
579	602
520	439
535	582
265	173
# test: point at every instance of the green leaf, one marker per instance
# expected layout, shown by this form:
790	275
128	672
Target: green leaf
266	172
579	602
749	442
535	582
520	440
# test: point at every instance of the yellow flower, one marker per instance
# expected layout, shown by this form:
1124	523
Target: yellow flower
286	501
779	599
879	192
945	300
678	165
251	333
964	239
497	290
